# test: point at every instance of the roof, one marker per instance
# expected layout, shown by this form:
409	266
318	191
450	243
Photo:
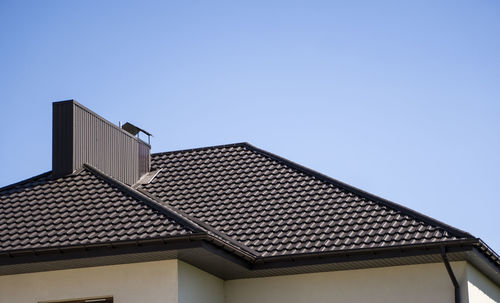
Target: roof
80	209
250	202
276	208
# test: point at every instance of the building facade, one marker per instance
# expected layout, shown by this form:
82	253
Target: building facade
232	223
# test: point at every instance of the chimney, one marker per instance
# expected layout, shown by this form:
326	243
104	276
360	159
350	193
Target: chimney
81	136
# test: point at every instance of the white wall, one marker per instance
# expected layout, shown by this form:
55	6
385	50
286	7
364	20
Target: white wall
480	288
151	282
412	283
173	281
196	286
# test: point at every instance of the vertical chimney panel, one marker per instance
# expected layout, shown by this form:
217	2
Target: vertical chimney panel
81	136
62	138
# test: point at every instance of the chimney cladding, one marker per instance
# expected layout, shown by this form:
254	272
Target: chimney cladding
81	136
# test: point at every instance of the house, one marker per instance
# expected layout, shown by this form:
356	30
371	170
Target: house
233	223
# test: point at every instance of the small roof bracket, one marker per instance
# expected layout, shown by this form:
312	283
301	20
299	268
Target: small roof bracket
134	130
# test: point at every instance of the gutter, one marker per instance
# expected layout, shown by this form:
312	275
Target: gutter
380	252
453	279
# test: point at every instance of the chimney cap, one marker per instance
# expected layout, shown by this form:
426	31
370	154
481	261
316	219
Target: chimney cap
134	130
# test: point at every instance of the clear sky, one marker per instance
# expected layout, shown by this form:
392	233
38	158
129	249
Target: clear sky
399	98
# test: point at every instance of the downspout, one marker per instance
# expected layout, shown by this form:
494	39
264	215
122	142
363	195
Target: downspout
451	274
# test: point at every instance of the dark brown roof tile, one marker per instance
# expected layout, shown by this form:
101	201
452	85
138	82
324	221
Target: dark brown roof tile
255	197
76	210
266	205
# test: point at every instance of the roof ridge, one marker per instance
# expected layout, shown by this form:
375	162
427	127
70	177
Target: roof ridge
174	213
413	213
200	148
140	196
25	181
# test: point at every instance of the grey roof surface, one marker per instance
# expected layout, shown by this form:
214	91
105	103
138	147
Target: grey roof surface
78	209
276	207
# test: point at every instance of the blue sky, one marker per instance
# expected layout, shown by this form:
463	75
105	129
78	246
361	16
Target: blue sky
400	99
